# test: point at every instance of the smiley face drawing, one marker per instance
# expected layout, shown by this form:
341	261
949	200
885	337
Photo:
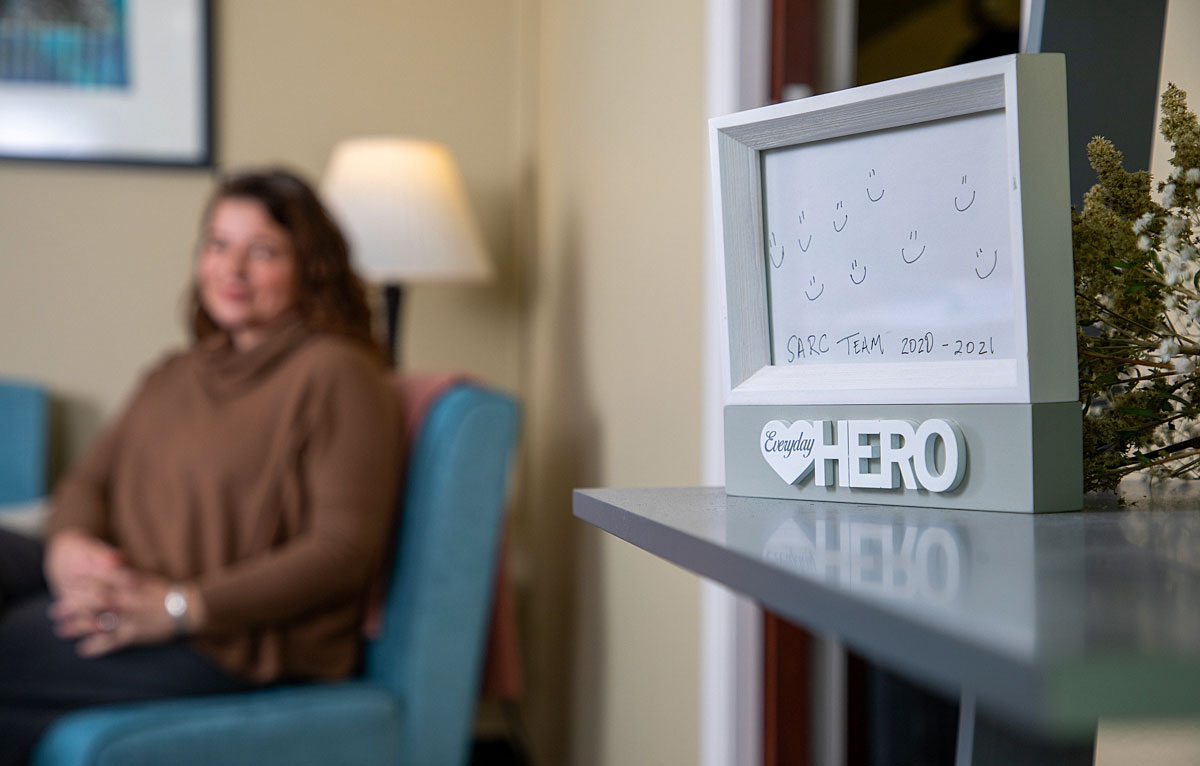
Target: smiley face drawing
845	218
776	252
804	243
981	257
812	285
870	196
966	203
853	268
909	257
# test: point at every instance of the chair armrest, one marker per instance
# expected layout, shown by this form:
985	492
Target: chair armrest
352	722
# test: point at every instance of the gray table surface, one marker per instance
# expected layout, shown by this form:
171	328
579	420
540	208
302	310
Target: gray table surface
1050	621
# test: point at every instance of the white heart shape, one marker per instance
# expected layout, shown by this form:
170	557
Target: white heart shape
788	448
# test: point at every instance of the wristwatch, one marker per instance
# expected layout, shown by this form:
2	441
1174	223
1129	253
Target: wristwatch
177	606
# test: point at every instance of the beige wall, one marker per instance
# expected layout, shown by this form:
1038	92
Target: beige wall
92	267
615	325
579	128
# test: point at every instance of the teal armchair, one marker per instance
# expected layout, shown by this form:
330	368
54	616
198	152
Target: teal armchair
415	700
24	431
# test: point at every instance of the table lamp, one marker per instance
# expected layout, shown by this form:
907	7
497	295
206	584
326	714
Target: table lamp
401	204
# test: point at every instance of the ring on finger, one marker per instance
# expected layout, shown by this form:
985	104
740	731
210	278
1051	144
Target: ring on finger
107	622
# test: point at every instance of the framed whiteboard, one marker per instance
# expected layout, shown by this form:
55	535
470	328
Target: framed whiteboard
903	242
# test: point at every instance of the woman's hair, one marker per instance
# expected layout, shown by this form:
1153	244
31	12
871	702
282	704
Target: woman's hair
329	295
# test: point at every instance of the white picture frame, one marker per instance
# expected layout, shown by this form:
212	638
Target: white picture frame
867	417
1028	92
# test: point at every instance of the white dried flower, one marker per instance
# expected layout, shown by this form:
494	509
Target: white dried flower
1183	364
1142	222
1193	175
1168	195
1174	225
1167	349
1143	243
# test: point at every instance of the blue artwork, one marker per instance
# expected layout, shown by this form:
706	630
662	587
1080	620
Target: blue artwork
69	43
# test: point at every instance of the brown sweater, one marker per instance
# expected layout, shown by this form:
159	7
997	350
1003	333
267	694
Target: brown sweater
265	477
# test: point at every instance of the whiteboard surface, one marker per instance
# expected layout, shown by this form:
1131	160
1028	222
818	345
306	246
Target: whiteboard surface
933	260
892	246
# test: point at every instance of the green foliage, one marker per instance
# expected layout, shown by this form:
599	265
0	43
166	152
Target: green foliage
1137	302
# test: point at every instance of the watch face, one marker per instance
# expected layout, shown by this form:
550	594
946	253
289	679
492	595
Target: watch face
176	604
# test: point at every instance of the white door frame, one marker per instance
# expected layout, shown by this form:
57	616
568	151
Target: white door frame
737	77
730	625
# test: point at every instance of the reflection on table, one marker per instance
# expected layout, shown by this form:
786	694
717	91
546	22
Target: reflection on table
1051	620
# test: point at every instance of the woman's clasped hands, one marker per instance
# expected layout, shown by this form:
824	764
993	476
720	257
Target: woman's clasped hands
101	601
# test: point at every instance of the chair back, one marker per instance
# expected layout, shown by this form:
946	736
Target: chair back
24	432
430	649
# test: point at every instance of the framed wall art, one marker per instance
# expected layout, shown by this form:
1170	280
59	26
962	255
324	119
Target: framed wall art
123	81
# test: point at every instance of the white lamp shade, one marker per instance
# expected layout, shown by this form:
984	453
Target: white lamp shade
402	207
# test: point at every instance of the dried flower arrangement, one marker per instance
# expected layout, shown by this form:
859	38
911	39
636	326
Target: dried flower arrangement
1137	302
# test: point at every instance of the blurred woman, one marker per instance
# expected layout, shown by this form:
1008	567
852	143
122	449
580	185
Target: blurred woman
221	534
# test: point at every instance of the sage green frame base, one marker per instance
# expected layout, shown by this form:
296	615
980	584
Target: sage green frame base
1021	458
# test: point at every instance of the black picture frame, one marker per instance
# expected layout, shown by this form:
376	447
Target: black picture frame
157	111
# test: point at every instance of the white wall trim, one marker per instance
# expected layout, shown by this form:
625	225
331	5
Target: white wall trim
736	78
839	34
